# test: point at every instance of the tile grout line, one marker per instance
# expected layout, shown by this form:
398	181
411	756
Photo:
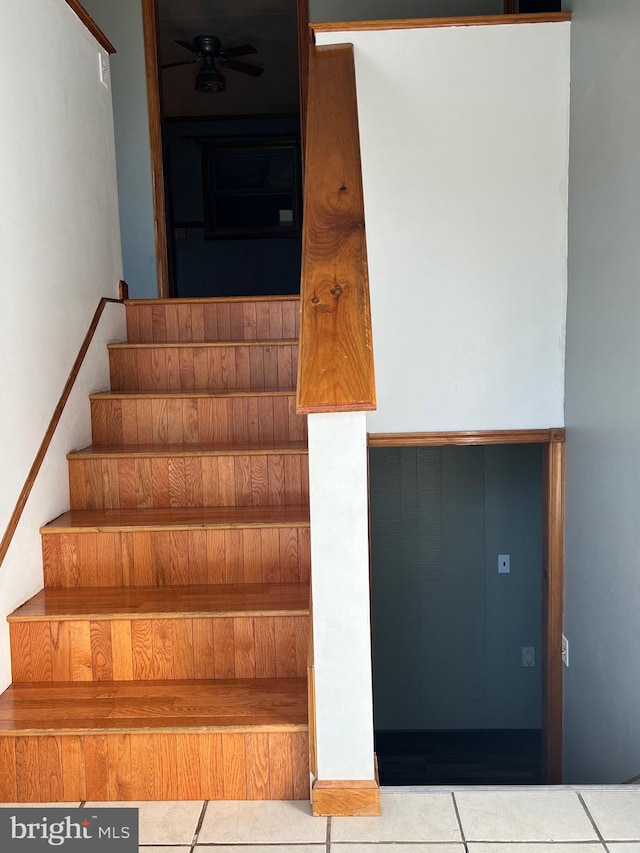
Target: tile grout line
459	819
593	823
327	841
196	832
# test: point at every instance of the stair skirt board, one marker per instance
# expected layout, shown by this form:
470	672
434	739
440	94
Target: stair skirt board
166	657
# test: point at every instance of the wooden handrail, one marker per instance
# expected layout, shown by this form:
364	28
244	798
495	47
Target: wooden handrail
48	436
335	368
91	25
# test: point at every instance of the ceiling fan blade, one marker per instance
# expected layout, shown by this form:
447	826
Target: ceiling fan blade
241	50
242	67
187	45
185	62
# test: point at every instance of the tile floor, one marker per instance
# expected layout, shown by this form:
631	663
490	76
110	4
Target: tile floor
497	820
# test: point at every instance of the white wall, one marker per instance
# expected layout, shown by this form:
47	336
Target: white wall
363	10
121	22
340	593
602	586
464	138
59	244
21	571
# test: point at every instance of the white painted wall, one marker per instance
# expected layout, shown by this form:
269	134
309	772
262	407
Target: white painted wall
372	10
121	22
340	592
464	138
602	582
59	243
21	571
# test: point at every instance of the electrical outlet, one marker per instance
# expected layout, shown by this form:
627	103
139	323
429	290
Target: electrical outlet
103	69
504	564
528	656
565	651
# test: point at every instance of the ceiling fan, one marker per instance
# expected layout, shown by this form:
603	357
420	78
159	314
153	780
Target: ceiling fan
211	56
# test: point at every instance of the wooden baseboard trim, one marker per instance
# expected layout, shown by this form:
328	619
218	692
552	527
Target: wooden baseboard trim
439	439
345	799
48	436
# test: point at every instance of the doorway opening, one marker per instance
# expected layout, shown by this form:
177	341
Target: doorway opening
224	105
464	618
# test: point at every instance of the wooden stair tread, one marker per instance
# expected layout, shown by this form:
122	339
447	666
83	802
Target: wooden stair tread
268	704
277	342
194	394
178	518
132	451
223	600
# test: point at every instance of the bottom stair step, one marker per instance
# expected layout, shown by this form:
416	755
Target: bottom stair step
235	739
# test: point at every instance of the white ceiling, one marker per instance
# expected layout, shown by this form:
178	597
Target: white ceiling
269	25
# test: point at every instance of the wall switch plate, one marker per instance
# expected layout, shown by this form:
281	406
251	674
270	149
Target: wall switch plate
504	564
103	69
528	656
565	651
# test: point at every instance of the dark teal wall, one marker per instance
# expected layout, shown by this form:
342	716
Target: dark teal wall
447	628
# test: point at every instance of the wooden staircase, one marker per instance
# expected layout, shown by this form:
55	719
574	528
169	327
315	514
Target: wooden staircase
166	656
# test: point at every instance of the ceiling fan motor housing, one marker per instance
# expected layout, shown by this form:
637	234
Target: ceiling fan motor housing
208	44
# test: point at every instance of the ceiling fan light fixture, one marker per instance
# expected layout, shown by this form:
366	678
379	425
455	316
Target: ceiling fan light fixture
209	81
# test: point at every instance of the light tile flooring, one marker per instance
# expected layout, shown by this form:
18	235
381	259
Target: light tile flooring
461	820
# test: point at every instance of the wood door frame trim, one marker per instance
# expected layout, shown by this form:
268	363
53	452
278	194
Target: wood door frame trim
553	442
428	23
304	46
553	583
466	437
14	520
154	103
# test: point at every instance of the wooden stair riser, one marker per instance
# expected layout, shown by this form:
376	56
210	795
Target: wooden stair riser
176	557
178	368
196	420
213	321
189	481
154	649
155	766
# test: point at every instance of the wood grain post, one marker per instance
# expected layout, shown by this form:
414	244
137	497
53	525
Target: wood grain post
335	387
335	370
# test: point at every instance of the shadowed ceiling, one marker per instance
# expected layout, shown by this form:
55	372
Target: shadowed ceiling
269	25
